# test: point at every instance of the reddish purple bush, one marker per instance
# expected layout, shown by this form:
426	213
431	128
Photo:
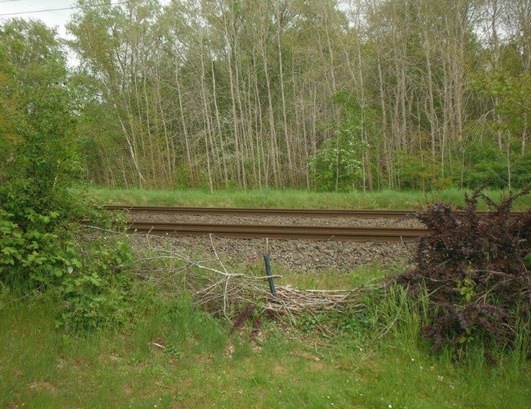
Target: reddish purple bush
474	267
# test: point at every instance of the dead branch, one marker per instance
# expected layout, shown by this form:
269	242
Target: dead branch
226	294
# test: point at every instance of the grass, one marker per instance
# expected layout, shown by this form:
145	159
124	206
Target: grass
290	199
173	356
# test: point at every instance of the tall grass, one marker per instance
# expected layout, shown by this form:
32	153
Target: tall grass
411	365
387	199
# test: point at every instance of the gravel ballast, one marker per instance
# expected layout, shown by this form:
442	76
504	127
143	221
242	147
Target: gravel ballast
297	256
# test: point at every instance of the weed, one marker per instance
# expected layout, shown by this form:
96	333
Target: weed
96	293
45	367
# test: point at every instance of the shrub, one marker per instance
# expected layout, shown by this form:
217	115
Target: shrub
39	215
337	165
521	176
35	253
96	292
420	172
473	268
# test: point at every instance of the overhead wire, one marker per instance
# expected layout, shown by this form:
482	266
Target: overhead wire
51	9
37	11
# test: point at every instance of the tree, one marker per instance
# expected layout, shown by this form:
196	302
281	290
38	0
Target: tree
223	93
35	203
38	127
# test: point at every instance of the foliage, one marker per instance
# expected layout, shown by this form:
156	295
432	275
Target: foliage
337	165
420	172
521	176
245	94
40	214
35	204
37	131
484	165
95	292
91	274
36	254
234	93
472	266
510	93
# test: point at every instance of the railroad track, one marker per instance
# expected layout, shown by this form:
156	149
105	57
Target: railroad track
286	232
220	211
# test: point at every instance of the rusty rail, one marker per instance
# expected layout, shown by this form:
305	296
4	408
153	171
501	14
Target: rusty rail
387	214
289	232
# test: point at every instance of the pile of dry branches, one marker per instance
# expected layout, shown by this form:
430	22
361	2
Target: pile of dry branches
236	296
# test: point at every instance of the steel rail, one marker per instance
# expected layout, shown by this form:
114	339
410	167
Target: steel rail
233	211
388	214
286	232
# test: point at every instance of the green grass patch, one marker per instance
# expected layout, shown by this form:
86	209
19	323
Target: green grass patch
289	199
332	280
173	356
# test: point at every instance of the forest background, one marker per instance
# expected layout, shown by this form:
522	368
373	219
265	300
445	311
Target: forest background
318	94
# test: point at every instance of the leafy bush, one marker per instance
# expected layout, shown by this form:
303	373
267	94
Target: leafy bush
36	255
472	266
39	215
484	165
337	165
521	176
420	172
90	274
96	291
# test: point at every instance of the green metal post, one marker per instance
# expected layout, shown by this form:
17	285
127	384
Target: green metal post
269	275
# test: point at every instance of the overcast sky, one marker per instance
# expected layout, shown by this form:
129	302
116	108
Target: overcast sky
54	13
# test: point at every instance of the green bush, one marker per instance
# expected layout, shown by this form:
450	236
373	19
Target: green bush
484	165
337	165
521	176
96	293
42	247
420	172
35	256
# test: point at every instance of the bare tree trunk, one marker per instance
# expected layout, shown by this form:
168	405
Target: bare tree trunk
187	149
209	144
283	99
274	151
219	128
